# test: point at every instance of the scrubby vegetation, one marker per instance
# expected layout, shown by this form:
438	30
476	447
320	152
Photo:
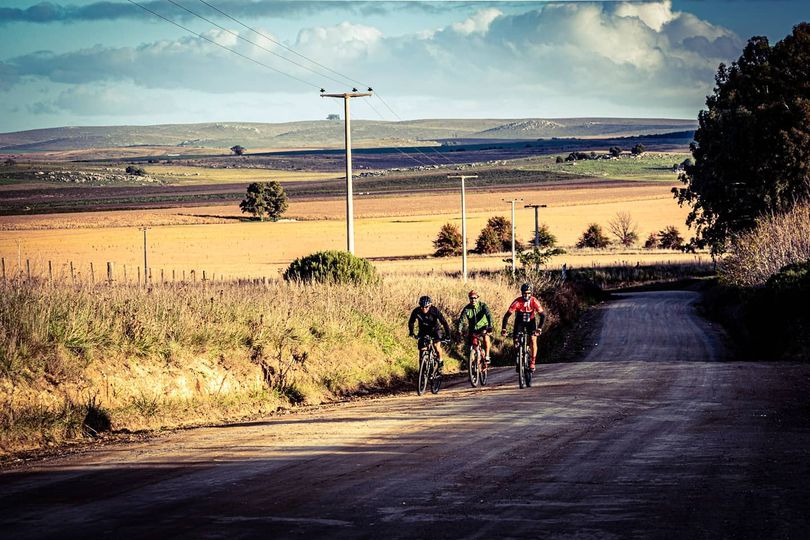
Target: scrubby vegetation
593	237
448	242
332	267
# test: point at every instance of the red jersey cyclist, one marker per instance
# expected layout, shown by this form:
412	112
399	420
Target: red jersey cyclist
529	315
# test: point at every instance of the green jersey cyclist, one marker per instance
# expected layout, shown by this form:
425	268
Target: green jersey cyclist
479	320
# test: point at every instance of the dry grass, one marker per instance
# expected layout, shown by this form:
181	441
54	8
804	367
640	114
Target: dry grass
775	242
183	355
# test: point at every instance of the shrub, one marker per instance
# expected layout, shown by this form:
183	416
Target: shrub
615	151
775	242
638	149
670	238
331	267
545	238
137	171
651	242
238	150
448	242
488	241
593	237
559	159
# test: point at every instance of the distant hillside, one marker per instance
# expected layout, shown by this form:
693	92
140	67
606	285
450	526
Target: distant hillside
326	134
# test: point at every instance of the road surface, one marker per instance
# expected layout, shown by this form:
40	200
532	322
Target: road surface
653	435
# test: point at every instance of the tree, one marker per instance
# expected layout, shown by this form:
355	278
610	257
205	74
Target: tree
534	258
651	242
624	229
448	242
752	146
265	199
137	171
545	237
638	149
670	238
333	117
593	237
488	241
238	150
503	228
615	151
559	159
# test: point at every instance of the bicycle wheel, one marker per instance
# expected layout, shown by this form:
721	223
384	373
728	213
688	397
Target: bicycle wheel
436	376
424	374
527	372
521	365
483	370
473	367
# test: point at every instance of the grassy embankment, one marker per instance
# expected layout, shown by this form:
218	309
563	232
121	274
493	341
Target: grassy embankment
74	359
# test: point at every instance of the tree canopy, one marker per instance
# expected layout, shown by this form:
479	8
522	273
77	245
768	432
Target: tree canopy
752	147
265	199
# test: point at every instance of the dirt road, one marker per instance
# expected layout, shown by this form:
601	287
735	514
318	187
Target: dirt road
650	437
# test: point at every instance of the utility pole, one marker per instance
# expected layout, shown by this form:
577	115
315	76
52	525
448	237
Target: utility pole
145	262
463	177
346	96
514	257
536	223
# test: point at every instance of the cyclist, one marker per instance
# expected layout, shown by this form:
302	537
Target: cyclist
478	318
431	323
525	307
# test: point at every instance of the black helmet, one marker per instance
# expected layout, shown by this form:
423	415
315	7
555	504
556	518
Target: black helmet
526	288
425	301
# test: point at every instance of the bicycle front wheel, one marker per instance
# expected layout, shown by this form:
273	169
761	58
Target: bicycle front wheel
424	374
473	367
436	377
527	372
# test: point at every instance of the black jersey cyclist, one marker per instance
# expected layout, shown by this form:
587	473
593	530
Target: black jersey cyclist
431	323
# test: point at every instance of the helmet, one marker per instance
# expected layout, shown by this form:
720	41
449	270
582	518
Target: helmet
526	288
425	301
472	294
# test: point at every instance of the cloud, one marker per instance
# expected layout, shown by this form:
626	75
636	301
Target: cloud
478	23
48	12
624	56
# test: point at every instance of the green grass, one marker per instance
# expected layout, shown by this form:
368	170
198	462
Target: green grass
651	166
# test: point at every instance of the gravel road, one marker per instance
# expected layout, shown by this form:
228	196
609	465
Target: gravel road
653	435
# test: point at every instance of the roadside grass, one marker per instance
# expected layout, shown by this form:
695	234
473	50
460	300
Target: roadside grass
630	275
185	355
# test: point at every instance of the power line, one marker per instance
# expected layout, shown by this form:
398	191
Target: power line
237	21
223	46
235	34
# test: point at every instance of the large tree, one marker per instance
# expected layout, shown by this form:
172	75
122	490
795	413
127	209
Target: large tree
752	148
265	199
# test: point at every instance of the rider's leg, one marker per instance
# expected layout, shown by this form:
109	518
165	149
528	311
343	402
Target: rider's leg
487	344
534	350
438	348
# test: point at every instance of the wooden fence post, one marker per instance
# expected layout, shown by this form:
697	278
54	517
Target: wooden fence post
28	269
162	281
4	269
203	276
50	272
109	273
173	280
139	276
126	281
92	275
184	276
72	274
194	276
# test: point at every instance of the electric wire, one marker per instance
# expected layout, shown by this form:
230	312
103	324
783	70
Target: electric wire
243	38
223	46
237	21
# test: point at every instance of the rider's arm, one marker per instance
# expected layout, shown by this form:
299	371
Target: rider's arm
505	321
443	322
411	321
488	315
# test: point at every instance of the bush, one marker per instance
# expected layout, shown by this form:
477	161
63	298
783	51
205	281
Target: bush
670	238
775	242
137	171
559	159
448	242
638	149
615	151
593	237
651	242
331	267
488	241
238	150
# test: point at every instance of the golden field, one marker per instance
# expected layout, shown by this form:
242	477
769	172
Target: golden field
401	228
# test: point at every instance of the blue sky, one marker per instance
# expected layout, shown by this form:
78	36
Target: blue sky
111	63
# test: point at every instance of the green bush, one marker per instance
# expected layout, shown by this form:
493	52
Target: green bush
331	267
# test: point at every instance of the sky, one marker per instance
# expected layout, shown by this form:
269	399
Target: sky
111	62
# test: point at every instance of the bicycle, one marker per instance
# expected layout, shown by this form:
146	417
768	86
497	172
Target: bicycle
477	364
523	359
429	371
